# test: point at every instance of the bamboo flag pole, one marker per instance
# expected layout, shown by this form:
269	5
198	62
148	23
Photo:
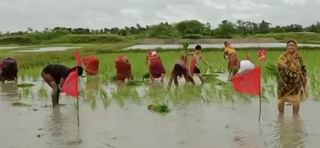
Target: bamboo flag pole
78	116
260	93
259	107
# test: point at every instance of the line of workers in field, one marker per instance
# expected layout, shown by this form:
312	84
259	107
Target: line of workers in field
291	81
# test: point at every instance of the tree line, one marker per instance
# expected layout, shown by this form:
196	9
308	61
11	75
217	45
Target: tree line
183	29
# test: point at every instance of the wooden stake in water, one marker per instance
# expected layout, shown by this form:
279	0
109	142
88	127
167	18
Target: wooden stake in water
260	98
78	116
259	107
78	119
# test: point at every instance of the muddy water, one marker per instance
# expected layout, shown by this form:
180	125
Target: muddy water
114	116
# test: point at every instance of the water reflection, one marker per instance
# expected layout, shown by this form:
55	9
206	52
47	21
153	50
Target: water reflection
9	90
291	132
185	94
91	91
95	92
123	93
43	92
62	128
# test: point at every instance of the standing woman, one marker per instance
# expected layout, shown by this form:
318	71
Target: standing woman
292	78
54	75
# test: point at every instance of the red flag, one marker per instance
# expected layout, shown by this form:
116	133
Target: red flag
262	55
70	85
77	56
248	82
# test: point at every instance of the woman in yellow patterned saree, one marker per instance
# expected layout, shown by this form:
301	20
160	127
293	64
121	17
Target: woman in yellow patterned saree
230	54
292	78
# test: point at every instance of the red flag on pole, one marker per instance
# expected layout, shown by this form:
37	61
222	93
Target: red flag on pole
248	82
262	54
77	56
70	85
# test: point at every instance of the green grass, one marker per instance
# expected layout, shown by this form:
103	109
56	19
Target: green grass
31	66
301	37
43	38
72	38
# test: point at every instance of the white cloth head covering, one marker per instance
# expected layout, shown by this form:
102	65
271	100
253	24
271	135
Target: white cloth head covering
245	65
153	53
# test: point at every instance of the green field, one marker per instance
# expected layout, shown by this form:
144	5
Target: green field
301	37
31	65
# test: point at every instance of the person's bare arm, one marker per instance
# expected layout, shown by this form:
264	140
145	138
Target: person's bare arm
225	54
171	79
55	93
48	79
162	77
61	83
205	62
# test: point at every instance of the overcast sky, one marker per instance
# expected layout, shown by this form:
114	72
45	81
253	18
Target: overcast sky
38	14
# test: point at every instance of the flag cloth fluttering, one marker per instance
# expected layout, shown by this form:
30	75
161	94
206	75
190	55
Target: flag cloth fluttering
77	57
262	55
248	82
70	85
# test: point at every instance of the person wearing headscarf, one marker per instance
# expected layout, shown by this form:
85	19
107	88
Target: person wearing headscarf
292	78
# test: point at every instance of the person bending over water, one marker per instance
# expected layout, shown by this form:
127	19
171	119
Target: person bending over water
180	69
8	69
54	75
123	68
156	68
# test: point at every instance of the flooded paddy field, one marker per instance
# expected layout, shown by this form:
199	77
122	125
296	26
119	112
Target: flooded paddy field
117	116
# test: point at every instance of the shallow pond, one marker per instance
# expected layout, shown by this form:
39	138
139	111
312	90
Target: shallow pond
47	49
7	47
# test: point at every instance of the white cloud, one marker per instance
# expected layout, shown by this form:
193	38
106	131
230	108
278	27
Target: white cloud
38	14
246	16
215	5
295	2
247	5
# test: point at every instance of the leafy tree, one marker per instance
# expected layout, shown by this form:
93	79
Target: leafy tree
293	28
264	27
314	28
190	27
225	29
81	30
277	29
162	30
